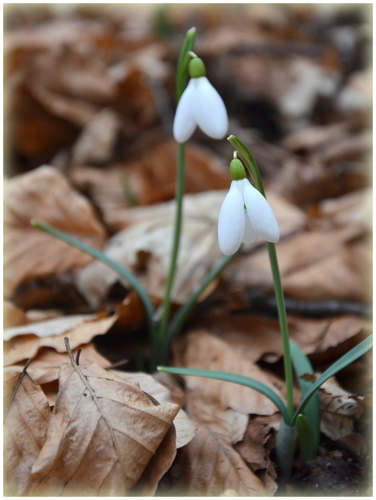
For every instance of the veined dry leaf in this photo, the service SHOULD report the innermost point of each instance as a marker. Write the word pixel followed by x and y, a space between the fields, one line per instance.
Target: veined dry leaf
pixel 185 429
pixel 315 265
pixel 199 349
pixel 96 143
pixel 102 434
pixel 45 367
pixel 145 246
pixel 13 316
pixel 51 333
pixel 30 254
pixel 339 410
pixel 25 429
pixel 252 447
pixel 209 465
pixel 352 208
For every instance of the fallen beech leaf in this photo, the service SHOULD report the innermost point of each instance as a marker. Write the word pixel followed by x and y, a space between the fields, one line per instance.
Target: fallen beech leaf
pixel 199 349
pixel 209 465
pixel 185 430
pixel 145 246
pixel 350 209
pixel 45 367
pixel 320 337
pixel 25 429
pixel 13 316
pixel 97 140
pixel 339 410
pixel 159 464
pixel 102 434
pixel 315 265
pixel 31 254
pixel 252 447
pixel 27 344
pixel 55 326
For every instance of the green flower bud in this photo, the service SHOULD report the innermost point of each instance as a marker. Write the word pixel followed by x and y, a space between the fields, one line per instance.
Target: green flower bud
pixel 196 68
pixel 237 170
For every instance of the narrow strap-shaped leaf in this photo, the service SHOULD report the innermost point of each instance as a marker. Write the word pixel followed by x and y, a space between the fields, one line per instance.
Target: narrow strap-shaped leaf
pixel 122 271
pixel 306 438
pixel 235 379
pixel 341 363
pixel 302 365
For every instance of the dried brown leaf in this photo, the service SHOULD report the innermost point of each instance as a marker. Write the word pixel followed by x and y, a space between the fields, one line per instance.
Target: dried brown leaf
pixel 314 265
pixel 30 254
pixel 13 316
pixel 339 410
pixel 209 465
pixel 145 246
pixel 96 143
pixel 185 430
pixel 25 429
pixel 51 334
pixel 102 434
pixel 252 447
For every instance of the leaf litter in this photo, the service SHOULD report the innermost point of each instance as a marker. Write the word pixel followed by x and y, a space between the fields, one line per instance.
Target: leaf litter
pixel 91 107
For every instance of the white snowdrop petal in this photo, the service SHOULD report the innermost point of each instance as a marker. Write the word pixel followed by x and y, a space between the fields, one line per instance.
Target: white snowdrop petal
pixel 184 122
pixel 250 234
pixel 231 221
pixel 209 110
pixel 260 213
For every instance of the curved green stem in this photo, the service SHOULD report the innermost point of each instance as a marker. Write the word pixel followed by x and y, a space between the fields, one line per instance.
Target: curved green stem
pixel 250 163
pixel 166 304
pixel 289 378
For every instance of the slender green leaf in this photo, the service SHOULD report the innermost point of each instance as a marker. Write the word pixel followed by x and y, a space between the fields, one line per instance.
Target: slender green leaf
pixel 234 378
pixel 302 365
pixel 103 258
pixel 306 438
pixel 341 363
pixel 182 69
pixel 285 449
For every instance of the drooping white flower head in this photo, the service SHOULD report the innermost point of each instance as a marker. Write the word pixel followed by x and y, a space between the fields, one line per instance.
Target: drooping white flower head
pixel 245 214
pixel 200 105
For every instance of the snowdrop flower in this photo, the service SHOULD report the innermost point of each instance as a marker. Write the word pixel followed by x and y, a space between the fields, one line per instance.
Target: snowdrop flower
pixel 200 105
pixel 245 214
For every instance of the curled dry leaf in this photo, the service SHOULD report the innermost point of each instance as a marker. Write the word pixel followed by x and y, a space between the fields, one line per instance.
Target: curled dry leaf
pixel 146 245
pixel 315 265
pixel 209 465
pixel 102 434
pixel 252 447
pixel 339 410
pixel 185 430
pixel 140 182
pixel 29 253
pixel 96 143
pixel 30 338
pixel 25 429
